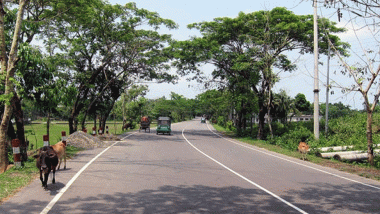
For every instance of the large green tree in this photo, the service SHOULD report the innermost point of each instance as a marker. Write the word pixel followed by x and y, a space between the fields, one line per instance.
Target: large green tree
pixel 111 40
pixel 247 48
pixel 20 22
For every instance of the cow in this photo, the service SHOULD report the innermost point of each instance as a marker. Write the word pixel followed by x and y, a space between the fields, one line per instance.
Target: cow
pixel 60 149
pixel 46 160
pixel 303 148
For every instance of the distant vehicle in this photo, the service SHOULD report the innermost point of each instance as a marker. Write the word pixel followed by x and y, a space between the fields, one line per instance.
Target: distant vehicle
pixel 144 123
pixel 164 125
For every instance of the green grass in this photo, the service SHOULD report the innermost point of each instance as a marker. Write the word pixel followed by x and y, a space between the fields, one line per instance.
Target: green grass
pixel 360 169
pixel 15 178
pixel 35 132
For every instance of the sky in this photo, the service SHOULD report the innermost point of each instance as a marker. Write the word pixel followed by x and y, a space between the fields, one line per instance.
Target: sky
pixel 185 12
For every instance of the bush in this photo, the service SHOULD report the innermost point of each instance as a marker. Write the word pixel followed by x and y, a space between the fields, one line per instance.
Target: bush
pixel 295 133
pixel 230 126
pixel 221 121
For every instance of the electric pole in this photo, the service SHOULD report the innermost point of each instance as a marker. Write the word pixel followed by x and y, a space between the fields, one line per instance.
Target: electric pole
pixel 316 78
pixel 327 91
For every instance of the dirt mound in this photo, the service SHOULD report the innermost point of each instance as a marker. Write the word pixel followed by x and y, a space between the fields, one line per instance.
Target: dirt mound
pixel 83 140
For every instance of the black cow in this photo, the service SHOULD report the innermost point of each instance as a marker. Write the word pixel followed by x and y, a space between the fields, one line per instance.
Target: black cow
pixel 46 160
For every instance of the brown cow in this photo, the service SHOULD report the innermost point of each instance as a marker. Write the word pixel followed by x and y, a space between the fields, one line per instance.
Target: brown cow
pixel 303 149
pixel 60 149
pixel 46 161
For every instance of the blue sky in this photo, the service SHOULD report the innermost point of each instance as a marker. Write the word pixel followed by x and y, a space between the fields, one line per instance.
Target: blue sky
pixel 299 81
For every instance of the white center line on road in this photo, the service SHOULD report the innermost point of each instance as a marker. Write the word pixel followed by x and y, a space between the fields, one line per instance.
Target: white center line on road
pixel 320 170
pixel 244 178
pixel 63 190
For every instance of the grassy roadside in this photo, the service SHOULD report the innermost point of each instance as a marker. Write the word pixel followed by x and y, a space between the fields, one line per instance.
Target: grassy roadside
pixel 14 179
pixel 35 132
pixel 362 170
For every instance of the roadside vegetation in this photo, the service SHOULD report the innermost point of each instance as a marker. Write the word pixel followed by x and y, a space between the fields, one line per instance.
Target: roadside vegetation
pixel 16 178
pixel 94 54
pixel 343 130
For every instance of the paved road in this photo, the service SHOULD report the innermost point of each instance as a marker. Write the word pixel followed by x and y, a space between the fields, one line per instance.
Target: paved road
pixel 194 171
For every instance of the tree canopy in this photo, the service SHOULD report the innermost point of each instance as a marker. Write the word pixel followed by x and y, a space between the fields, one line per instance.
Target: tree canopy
pixel 247 49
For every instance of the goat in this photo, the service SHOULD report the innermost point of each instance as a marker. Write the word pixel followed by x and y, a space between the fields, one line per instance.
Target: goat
pixel 60 149
pixel 303 148
pixel 46 161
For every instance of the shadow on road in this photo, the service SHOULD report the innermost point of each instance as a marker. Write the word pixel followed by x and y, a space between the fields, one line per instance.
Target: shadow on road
pixel 352 198
pixel 178 199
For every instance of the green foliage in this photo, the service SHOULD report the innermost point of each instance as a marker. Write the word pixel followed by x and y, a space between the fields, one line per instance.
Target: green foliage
pixel 292 135
pixel 245 50
pixel 230 126
pixel 214 103
pixel 221 121
pixel 301 103
pixel 351 130
pixel 336 110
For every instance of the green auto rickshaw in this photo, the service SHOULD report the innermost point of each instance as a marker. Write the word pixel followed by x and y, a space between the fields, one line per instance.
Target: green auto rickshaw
pixel 164 125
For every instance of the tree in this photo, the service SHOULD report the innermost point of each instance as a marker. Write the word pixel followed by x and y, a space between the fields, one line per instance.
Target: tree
pixel 301 103
pixel 247 49
pixel 31 18
pixel 215 103
pixel 109 39
pixel 8 62
pixel 282 105
pixel 336 110
pixel 365 70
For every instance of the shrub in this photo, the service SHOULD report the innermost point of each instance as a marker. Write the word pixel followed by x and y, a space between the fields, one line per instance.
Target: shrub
pixel 293 136
pixel 221 121
pixel 230 126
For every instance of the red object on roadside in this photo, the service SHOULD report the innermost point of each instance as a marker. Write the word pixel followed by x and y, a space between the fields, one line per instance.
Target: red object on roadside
pixel 64 137
pixel 46 140
pixel 16 152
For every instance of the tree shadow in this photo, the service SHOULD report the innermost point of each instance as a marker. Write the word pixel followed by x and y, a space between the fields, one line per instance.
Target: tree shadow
pixel 178 199
pixel 342 198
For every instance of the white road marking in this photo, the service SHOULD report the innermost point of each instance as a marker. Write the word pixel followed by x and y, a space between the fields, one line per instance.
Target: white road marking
pixel 63 190
pixel 320 170
pixel 244 178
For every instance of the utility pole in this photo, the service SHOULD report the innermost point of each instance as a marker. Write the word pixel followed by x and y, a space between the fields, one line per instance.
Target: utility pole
pixel 327 91
pixel 316 78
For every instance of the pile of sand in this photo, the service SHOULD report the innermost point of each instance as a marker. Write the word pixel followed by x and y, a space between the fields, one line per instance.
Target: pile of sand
pixel 83 140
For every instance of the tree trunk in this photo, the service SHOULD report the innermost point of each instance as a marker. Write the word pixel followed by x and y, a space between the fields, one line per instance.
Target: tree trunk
pixel 84 120
pixel 48 124
pixel 8 64
pixel 4 162
pixel 124 113
pixel 369 137
pixel 262 112
pixel 95 117
pixel 19 116
pixel 239 123
pixel 73 120
pixel 269 105
pixel 11 133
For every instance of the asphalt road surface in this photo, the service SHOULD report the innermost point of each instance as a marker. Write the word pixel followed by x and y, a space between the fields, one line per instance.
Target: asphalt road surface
pixel 194 170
